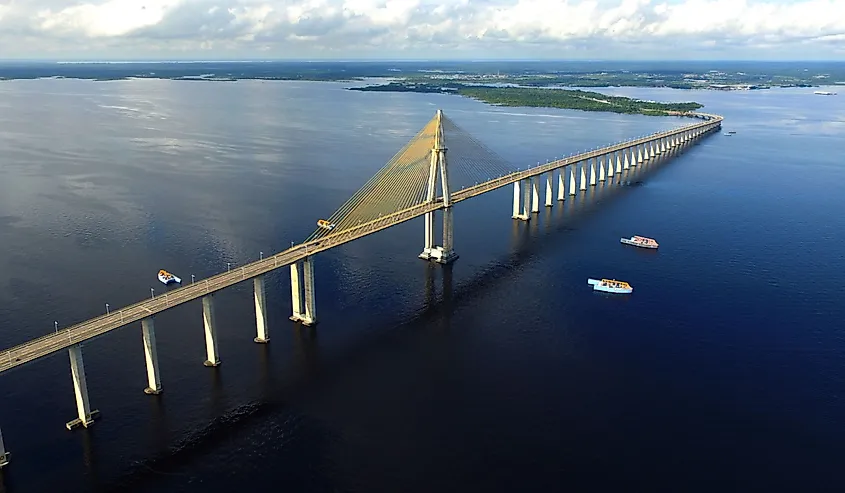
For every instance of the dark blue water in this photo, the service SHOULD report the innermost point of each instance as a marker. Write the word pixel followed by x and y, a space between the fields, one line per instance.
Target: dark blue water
pixel 723 371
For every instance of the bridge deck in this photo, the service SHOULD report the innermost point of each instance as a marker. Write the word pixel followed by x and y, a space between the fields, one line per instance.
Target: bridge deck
pixel 89 329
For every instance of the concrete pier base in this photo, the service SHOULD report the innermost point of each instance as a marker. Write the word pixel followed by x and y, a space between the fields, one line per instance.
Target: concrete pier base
pixel 80 389
pixel 561 187
pixel 262 336
pixel 296 291
pixel 310 315
pixel 151 356
pixel 429 238
pixel 526 199
pixel 212 357
pixel 583 176
pixel 5 457
pixel 517 197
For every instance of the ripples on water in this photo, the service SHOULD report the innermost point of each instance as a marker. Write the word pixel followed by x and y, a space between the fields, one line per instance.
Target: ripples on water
pixel 503 372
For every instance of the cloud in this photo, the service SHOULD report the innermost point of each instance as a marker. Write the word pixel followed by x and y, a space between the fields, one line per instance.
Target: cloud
pixel 419 28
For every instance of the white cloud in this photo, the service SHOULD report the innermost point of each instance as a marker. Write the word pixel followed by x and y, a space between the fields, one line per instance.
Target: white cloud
pixel 428 28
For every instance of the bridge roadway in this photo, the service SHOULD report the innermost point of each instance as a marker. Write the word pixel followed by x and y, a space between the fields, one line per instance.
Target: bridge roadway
pixel 89 329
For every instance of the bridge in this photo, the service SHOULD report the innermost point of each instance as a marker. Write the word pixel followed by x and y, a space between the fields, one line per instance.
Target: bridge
pixel 418 181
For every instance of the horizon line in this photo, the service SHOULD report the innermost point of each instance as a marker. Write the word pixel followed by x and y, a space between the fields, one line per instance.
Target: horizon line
pixel 395 60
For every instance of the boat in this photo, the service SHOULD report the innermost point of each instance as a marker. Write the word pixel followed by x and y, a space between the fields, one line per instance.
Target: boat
pixel 325 224
pixel 167 277
pixel 824 93
pixel 640 241
pixel 610 286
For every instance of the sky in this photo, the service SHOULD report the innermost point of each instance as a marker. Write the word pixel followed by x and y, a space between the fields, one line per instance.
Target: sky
pixel 422 29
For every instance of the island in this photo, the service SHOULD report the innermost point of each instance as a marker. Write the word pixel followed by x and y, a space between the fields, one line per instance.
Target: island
pixel 550 97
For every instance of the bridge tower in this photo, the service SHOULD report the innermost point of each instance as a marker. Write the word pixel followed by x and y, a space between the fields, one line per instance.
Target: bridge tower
pixel 443 254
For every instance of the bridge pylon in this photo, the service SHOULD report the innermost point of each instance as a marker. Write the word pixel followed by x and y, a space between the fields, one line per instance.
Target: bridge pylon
pixel 439 164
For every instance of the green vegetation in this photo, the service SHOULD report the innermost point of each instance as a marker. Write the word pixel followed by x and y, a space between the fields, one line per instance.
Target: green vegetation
pixel 572 99
pixel 543 98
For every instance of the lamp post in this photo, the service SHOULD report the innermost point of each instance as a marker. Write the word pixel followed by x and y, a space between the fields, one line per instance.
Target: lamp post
pixel 228 266
pixel 152 293
pixel 56 325
pixel 107 308
pixel 192 278
pixel 260 255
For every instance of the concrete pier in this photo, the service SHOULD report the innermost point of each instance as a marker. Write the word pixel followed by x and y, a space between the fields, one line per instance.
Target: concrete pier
pixel 296 291
pixel 445 254
pixel 429 240
pixel 520 200
pixel 572 178
pixel 619 160
pixel 262 336
pixel 535 194
pixel 592 171
pixel 561 188
pixel 310 316
pixel 549 190
pixel 583 176
pixel 212 357
pixel 5 457
pixel 80 389
pixel 151 356
pixel 526 199
pixel 601 168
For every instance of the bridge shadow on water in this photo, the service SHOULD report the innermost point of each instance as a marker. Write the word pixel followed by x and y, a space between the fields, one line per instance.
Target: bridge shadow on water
pixel 311 373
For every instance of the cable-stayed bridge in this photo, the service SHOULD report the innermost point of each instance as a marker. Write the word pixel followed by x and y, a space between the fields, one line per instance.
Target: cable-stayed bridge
pixel 441 166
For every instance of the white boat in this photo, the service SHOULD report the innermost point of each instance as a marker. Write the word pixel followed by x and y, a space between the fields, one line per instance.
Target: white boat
pixel 610 286
pixel 640 241
pixel 167 277
pixel 824 93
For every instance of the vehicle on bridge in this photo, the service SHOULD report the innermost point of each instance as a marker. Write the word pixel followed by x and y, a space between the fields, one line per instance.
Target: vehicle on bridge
pixel 325 224
pixel 640 241
pixel 610 286
pixel 167 277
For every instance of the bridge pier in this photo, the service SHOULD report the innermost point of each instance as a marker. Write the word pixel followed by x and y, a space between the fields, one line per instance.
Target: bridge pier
pixel 639 156
pixel 151 356
pixel 535 194
pixel 572 178
pixel 212 357
pixel 5 457
pixel 601 168
pixel 296 291
pixel 262 336
pixel 521 196
pixel 549 190
pixel 619 160
pixel 592 162
pixel 80 389
pixel 561 188
pixel 429 236
pixel 583 176
pixel 310 317
pixel 446 254
pixel 302 292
